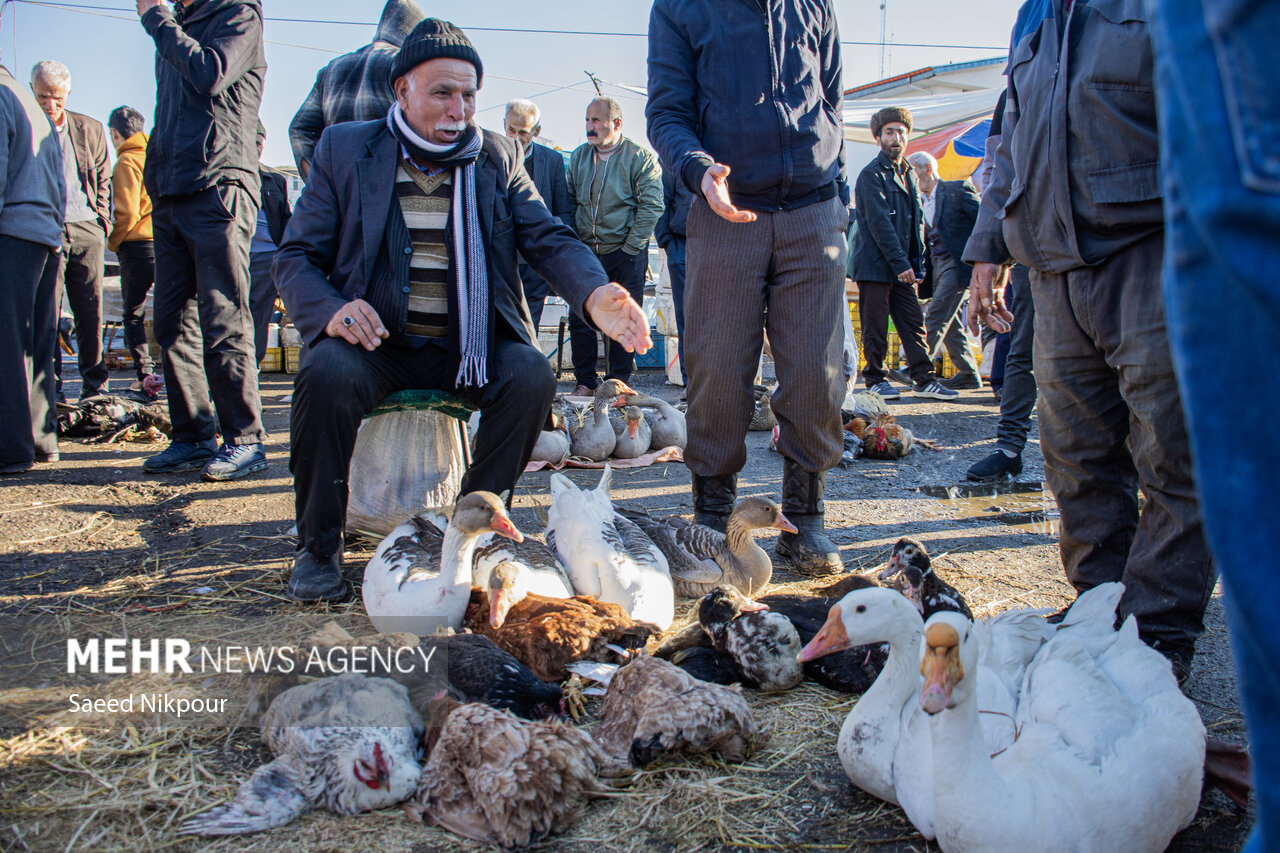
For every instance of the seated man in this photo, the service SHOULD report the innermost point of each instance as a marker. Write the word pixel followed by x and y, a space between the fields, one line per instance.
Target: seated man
pixel 399 270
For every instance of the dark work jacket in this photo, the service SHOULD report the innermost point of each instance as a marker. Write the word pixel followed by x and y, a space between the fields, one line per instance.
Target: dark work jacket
pixel 676 201
pixel 755 85
pixel 90 144
pixel 890 238
pixel 955 209
pixel 275 201
pixel 1076 175
pixel 209 71
pixel 347 239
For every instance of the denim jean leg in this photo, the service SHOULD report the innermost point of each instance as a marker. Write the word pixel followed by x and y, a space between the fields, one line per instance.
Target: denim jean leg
pixel 1222 206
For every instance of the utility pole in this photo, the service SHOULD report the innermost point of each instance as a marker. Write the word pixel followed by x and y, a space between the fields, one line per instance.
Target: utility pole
pixel 595 81
pixel 884 41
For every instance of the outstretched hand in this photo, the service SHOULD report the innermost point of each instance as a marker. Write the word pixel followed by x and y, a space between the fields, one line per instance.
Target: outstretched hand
pixel 986 298
pixel 715 188
pixel 619 316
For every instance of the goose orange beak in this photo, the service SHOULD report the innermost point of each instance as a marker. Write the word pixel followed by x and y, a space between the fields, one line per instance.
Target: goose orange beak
pixel 502 525
pixel 831 639
pixel 940 667
pixel 784 524
pixel 499 606
pixel 632 428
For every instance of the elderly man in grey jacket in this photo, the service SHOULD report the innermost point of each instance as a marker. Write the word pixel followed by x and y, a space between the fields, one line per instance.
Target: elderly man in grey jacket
pixel 32 202
pixel 1089 225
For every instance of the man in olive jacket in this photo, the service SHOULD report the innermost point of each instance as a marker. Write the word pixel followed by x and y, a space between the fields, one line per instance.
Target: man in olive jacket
pixel 615 191
pixel 202 176
pixel 368 271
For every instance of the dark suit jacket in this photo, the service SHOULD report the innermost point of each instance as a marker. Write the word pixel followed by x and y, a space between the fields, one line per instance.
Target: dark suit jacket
pixel 347 239
pixel 90 143
pixel 955 211
pixel 553 186
pixel 275 201
pixel 890 238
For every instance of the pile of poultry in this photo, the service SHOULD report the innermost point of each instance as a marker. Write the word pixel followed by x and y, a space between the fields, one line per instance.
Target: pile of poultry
pixel 126 415
pixel 619 423
pixel 482 738
pixel 881 435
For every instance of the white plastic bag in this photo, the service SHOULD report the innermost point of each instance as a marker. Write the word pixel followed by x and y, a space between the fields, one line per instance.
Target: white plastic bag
pixel 674 375
pixel 664 307
pixel 403 462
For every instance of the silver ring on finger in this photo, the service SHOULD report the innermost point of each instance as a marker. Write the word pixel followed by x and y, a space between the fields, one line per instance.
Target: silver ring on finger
pixel 348 322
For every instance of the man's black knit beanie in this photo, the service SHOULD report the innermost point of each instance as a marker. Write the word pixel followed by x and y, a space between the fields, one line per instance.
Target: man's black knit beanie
pixel 432 39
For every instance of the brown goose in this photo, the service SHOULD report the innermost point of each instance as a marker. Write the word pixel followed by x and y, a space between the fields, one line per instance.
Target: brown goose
pixel 702 559
pixel 591 433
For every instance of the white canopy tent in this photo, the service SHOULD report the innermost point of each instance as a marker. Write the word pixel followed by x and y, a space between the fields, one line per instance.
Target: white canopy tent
pixel 928 112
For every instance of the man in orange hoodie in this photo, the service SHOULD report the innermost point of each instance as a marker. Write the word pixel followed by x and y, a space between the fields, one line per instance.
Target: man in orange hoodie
pixel 130 236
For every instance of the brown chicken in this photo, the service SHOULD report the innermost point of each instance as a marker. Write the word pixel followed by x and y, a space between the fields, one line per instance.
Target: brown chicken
pixel 496 778
pixel 654 708
pixel 884 438
pixel 546 634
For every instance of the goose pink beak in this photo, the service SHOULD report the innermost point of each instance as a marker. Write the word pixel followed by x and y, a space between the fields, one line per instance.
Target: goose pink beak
pixel 784 524
pixel 503 527
pixel 831 639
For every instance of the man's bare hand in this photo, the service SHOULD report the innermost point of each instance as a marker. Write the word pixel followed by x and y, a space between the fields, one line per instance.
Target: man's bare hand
pixel 986 298
pixel 715 188
pixel 907 277
pixel 145 6
pixel 619 317
pixel 365 327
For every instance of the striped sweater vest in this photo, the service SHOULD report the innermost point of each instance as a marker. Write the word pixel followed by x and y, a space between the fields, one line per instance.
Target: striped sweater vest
pixel 425 201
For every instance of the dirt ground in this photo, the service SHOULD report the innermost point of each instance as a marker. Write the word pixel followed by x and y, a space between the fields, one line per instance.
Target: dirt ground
pixel 94 536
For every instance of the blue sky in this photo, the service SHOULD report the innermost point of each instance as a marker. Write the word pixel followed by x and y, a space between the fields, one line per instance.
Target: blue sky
pixel 112 58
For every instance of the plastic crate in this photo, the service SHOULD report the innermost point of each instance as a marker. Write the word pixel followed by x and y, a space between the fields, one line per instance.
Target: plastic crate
pixel 656 357
pixel 272 361
pixel 292 357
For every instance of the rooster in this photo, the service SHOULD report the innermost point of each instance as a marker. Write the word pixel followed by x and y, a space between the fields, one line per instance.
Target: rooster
pixel 882 436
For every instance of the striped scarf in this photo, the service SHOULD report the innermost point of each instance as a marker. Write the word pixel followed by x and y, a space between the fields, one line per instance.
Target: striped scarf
pixel 471 276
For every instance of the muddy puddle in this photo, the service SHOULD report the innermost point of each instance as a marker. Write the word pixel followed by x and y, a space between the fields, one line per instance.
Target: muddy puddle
pixel 1027 506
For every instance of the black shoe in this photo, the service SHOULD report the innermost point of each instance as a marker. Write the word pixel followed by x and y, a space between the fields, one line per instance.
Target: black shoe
pixel 16 468
pixel 996 466
pixel 713 500
pixel 899 377
pixel 809 551
pixel 962 382
pixel 1180 655
pixel 317 578
pixel 181 456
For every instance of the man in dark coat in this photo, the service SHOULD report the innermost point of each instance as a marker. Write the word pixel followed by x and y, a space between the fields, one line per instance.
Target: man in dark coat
pixel 888 259
pixel 950 209
pixel 546 167
pixel 369 270
pixel 88 221
pixel 273 216
pixel 202 176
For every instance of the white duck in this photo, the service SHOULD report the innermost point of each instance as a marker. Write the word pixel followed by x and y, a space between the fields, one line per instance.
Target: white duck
pixel 665 421
pixel 419 580
pixel 608 556
pixel 528 567
pixel 1109 754
pixel 884 743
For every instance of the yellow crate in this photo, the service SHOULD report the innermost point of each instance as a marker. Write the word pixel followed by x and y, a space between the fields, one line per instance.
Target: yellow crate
pixel 272 361
pixel 292 356
pixel 891 358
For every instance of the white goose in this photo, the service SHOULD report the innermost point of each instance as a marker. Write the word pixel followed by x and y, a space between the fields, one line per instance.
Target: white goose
pixel 528 567
pixel 1109 754
pixel 608 557
pixel 419 579
pixel 884 744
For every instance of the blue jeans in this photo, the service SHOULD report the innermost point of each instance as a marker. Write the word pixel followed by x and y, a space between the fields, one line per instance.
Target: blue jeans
pixel 675 266
pixel 1220 138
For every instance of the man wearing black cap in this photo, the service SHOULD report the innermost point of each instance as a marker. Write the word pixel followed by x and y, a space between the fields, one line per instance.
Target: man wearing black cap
pixel 888 259
pixel 399 270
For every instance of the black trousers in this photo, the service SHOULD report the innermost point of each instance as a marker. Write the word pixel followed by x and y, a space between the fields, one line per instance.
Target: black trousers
pixel 28 337
pixel 80 281
pixel 877 302
pixel 202 318
pixel 262 299
pixel 137 275
pixel 628 271
pixel 339 383
pixel 1018 394
pixel 536 291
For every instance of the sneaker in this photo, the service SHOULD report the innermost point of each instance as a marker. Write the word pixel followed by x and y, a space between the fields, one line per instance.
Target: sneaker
pixel 884 389
pixel 181 456
pixel 583 391
pixel 233 461
pixel 935 391
pixel 961 382
pixel 996 466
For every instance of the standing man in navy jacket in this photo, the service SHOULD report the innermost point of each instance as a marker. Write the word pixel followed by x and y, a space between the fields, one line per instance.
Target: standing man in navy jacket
pixel 202 176
pixel 745 107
